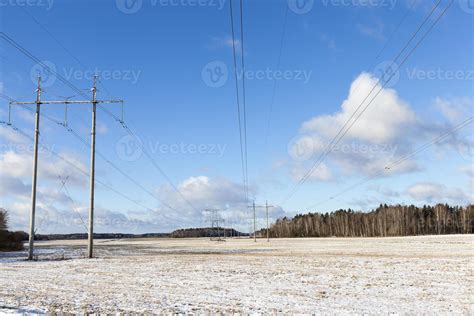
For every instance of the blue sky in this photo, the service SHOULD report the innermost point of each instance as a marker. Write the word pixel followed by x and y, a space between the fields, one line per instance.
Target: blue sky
pixel 160 52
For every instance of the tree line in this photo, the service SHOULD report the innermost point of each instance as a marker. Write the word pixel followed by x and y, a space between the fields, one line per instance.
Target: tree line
pixel 9 241
pixel 384 221
pixel 206 232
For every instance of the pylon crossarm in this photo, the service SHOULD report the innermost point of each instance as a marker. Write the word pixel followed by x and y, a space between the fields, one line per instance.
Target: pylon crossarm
pixel 68 102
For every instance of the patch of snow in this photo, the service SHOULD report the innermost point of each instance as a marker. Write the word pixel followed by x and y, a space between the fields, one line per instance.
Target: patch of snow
pixel 403 275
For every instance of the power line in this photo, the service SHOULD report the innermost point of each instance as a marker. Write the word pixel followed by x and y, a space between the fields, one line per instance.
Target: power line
pixel 49 205
pixel 52 36
pixel 64 48
pixel 390 166
pixel 68 195
pixel 345 130
pixel 408 11
pixel 87 144
pixel 28 54
pixel 270 111
pixel 85 173
pixel 174 220
pixel 244 93
pixel 157 167
pixel 238 102
pixel 23 50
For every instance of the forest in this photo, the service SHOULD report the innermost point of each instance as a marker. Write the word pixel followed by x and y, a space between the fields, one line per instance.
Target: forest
pixel 396 220
pixel 9 240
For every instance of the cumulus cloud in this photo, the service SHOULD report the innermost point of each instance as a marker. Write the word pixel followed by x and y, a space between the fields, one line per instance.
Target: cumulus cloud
pixel 386 120
pixel 204 193
pixel 387 131
pixel 378 137
pixel 433 192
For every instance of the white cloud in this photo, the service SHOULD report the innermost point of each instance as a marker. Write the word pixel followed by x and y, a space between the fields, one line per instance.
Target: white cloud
pixel 380 136
pixel 387 131
pixel 16 164
pixel 437 193
pixel 455 110
pixel 11 137
pixel 322 173
pixel 388 118
pixel 203 193
pixel 11 186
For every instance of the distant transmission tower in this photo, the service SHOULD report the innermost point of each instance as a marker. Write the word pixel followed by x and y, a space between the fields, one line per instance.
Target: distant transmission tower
pixel 217 232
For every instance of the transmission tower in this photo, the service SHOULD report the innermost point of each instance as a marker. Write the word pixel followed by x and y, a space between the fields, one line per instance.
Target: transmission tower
pixel 216 222
pixel 38 104
pixel 254 207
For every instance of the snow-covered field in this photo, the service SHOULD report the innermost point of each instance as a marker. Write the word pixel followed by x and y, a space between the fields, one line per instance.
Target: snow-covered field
pixel 430 275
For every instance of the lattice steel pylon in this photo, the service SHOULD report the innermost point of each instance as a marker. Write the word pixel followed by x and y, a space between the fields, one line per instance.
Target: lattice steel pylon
pixel 217 232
